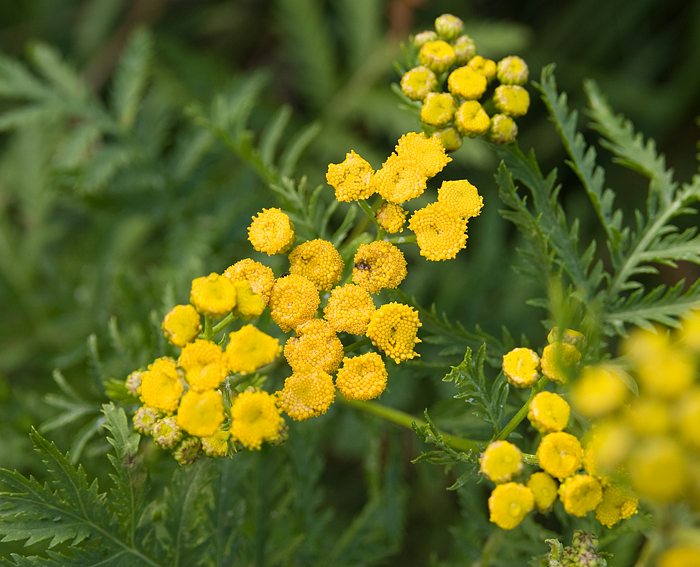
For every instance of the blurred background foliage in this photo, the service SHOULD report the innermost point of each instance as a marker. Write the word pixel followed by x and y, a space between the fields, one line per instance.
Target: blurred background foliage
pixel 119 183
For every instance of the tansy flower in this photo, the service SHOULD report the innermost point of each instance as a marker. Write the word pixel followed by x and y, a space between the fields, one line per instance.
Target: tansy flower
pixel 501 461
pixel 689 333
pixel 213 295
pixel 687 555
pixel 618 503
pixel 503 129
pixel 465 49
pixel 249 349
pixel 466 83
pixel 391 217
pixel 294 300
pixel 580 494
pixel 306 394
pixel 440 232
pixel 378 265
pixel 203 364
pixel 687 416
pixel 181 325
pixel 418 82
pixel 437 55
pixel 144 418
pixel 599 390
pixel 658 470
pixel 607 445
pixel 548 412
pixel 569 336
pixel 248 303
pixel 349 309
pixel 166 433
pixel 520 367
pixel 260 277
pixel 559 360
pixel 438 109
pixel 509 504
pixel 399 180
pixel 319 261
pixel 649 417
pixel 471 118
pixel 351 179
pixel 426 152
pixel 560 454
pixel 161 386
pixel 255 418
pixel 462 197
pixel 315 346
pixel 450 138
pixel 271 231
pixel 448 26
pixel 485 67
pixel 667 374
pixel 645 344
pixel 216 445
pixel 133 382
pixel 201 414
pixel 188 451
pixel 512 70
pixel 512 100
pixel 420 39
pixel 362 377
pixel 393 328
pixel 544 489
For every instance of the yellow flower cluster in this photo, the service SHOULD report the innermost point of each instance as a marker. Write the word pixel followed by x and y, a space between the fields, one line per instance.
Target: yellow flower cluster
pixel 459 108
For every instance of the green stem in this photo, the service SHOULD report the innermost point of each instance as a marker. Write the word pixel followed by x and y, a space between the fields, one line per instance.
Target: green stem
pixel 521 413
pixel 208 331
pixel 356 345
pixel 490 547
pixel 368 212
pixel 402 239
pixel 222 324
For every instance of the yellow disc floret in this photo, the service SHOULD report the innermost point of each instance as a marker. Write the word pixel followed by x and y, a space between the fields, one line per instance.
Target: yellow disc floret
pixel 599 390
pixel 319 261
pixel 161 386
pixel 560 454
pixel 294 301
pixel 351 179
pixel 393 328
pixel 658 470
pixel 462 197
pixel 440 232
pixel 362 377
pixel 399 180
pixel 548 412
pixel 315 346
pixel 484 66
pixel 201 414
pixel 349 309
pixel 503 129
pixel 203 363
pixel 248 303
pixel 668 373
pixel 378 265
pixel 607 445
pixel 271 231
pixel 559 360
pixel 306 394
pixel 512 100
pixel 418 82
pixel 426 152
pixel 391 217
pixel 438 109
pixel 509 504
pixel 466 83
pixel 580 494
pixel 512 70
pixel 260 277
pixel 249 349
pixel 181 325
pixel 471 119
pixel 544 489
pixel 689 333
pixel 437 55
pixel 501 461
pixel 255 418
pixel 216 445
pixel 520 367
pixel 680 556
pixel 213 295
pixel 618 503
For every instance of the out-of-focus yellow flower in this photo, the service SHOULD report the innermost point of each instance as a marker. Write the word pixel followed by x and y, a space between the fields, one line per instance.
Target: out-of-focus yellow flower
pixel 294 301
pixel 420 39
pixel 393 328
pixel 687 416
pixel 509 504
pixel 471 119
pixel 464 48
pixel 319 261
pixel 378 265
pixel 271 231
pixel 645 344
pixel 255 418
pixel 315 346
pixel 440 232
pixel 658 470
pixel 560 454
pixel 649 417
pixel 351 179
pixel 544 489
pixel 503 129
pixel 512 70
pixel 203 363
pixel 599 390
pixel 306 394
pixel 462 197
pixel 418 82
pixel 201 414
pixel 667 373
pixel 521 366
pixel 689 333
pixel 260 277
pixel 438 109
pixel 501 461
pixel 216 445
pixel 548 412
pixel 466 83
pixel 618 503
pixel 249 349
pixel 349 309
pixel 607 445
pixel 391 217
pixel 437 55
pixel 570 336
pixel 580 494
pixel 559 360
pixel 680 556
pixel 213 295
pixel 362 377
pixel 181 325
pixel 161 386
pixel 484 66
pixel 512 100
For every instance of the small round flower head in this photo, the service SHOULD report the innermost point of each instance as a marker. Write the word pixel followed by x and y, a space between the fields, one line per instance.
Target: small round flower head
pixel 520 366
pixel 548 412
pixel 260 277
pixel 306 394
pixel 271 231
pixel 203 363
pixel 689 333
pixel 462 197
pixel 659 470
pixel 319 261
pixel 294 300
pixel 133 382
pixel 465 49
pixel 607 445
pixel 569 336
pixel 509 504
pixel 667 374
pixel 512 100
pixel 437 55
pixel 471 119
pixel 351 178
pixel 450 138
pixel 166 433
pixel 249 349
pixel 248 303
pixel 213 295
pixel 466 83
pixel 255 418
pixel 201 414
pixel 181 325
pixel 418 82
pixel 426 152
pixel 643 344
pixel 512 70
pixel 188 451
pixel 421 38
pixel 560 454
pixel 399 180
pixel 484 66
pixel 618 503
pixel 161 386
pixel 378 265
pixel 501 461
pixel 362 377
pixel 580 494
pixel 649 417
pixel 144 418
pixel 559 361
pixel 440 232
pixel 393 328
pixel 349 309
pixel 544 489
pixel 503 129
pixel 391 217
pixel 448 26
pixel 315 346
pixel 216 445
pixel 600 390
pixel 687 417
pixel 438 109
pixel 687 555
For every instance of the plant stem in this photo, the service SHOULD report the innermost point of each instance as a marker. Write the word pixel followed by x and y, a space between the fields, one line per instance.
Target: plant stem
pixel 521 413
pixel 402 239
pixel 222 324
pixel 357 344
pixel 490 547
pixel 208 331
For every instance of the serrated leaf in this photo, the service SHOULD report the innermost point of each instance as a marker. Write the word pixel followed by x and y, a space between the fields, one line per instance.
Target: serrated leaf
pixel 130 78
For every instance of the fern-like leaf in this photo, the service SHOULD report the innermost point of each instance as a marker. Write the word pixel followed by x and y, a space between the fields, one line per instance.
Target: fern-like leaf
pixel 130 78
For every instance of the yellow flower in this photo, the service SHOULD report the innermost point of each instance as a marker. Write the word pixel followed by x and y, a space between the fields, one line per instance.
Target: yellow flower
pixel 203 364
pixel 133 382
pixel 503 129
pixel 462 197
pixel 484 66
pixel 437 55
pixel 351 179
pixel 216 445
pixel 319 261
pixel 393 328
pixel 426 152
pixel 618 503
pixel 448 26
pixel 260 277
pixel 471 119
pixel 466 83
pixel 349 309
pixel 362 377
pixel 548 412
pixel 512 70
pixel 680 556
pixel 607 446
pixel 166 433
pixel 316 346
pixel 399 180
pixel 181 325
pixel 520 366
pixel 509 504
pixel 294 300
pixel 450 138
pixel 643 344
pixel 560 454
pixel 306 394
pixel 544 489
pixel 600 390
pixel 580 494
pixel 271 231
pixel 420 39
pixel 144 419
pixel 559 360
pixel 201 414
pixel 438 109
pixel 249 349
pixel 418 82
pixel 667 373
pixel 255 418
pixel 213 295
pixel 440 232
pixel 378 265
pixel 689 333
pixel 569 336
pixel 501 461
pixel 391 217
pixel 161 386
pixel 688 417
pixel 464 48
pixel 649 417
pixel 248 303
pixel 512 100
pixel 658 470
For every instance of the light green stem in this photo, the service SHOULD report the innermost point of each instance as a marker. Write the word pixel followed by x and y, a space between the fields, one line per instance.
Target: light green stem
pixel 402 239
pixel 357 344
pixel 222 324
pixel 208 331
pixel 521 413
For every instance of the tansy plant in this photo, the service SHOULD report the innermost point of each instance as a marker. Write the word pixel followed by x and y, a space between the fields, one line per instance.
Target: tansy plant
pixel 594 428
